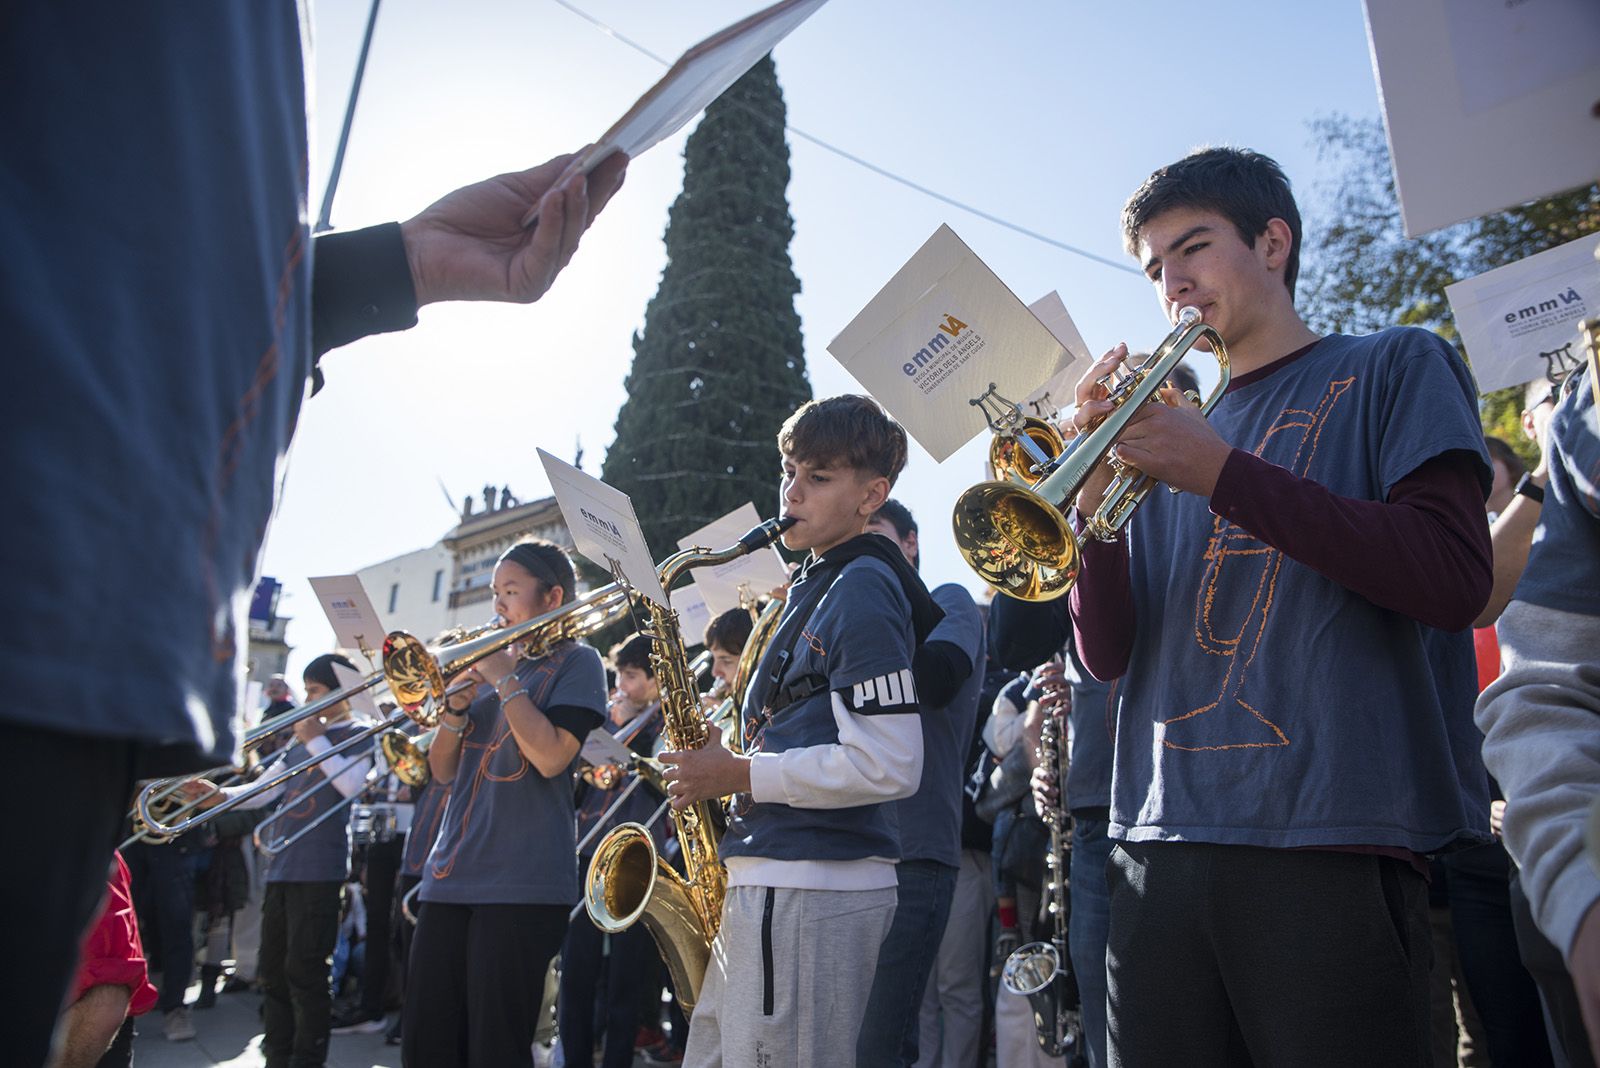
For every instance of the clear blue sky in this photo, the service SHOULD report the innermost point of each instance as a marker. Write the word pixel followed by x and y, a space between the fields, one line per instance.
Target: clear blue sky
pixel 1045 113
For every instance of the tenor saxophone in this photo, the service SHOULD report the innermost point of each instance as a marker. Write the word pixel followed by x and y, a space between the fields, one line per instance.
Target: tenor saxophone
pixel 628 881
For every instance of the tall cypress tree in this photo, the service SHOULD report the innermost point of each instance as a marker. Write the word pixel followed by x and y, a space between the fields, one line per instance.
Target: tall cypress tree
pixel 720 363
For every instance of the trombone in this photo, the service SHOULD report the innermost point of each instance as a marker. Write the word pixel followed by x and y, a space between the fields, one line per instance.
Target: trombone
pixel 1013 530
pixel 404 757
pixel 415 673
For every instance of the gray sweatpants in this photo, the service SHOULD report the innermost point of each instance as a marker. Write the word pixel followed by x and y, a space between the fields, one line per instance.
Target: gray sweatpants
pixel 789 976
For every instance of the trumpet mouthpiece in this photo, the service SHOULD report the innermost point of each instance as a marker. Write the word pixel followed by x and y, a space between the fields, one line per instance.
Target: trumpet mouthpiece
pixel 1188 315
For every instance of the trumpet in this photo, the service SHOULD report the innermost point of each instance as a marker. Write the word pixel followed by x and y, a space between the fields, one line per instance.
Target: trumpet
pixel 1013 530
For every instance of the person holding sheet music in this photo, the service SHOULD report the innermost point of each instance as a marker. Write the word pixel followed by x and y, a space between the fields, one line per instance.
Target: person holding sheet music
pixel 503 872
pixel 153 405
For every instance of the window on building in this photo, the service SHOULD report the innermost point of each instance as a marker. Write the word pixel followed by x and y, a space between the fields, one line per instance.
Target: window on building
pixel 438 584
pixel 394 595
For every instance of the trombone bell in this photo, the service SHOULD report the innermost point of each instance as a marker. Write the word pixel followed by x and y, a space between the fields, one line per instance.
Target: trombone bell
pixel 412 671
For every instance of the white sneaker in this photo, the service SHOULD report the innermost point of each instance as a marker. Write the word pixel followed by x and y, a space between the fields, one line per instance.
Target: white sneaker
pixel 178 1026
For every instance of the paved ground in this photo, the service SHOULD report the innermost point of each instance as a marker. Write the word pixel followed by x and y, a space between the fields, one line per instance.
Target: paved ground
pixel 230 1037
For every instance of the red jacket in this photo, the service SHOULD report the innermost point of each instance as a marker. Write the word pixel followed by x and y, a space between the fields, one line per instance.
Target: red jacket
pixel 112 954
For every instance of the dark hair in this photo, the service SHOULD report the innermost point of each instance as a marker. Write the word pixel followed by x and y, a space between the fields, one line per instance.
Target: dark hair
pixel 633 652
pixel 1245 187
pixel 1184 378
pixel 545 561
pixel 850 430
pixel 320 670
pixel 730 630
pixel 899 516
pixel 1499 450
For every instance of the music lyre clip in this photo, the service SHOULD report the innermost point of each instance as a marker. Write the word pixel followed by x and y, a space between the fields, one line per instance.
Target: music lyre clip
pixel 1005 417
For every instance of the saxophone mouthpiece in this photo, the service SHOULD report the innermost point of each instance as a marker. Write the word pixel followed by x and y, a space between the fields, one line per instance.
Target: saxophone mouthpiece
pixel 761 536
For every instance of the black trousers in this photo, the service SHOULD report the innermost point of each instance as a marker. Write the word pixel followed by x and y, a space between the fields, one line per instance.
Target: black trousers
pixel 383 868
pixel 299 927
pixel 627 968
pixel 60 860
pixel 474 983
pixel 1233 955
pixel 163 897
pixel 1503 993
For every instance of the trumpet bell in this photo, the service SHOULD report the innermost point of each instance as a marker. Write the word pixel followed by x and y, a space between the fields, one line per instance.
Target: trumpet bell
pixel 1016 541
pixel 627 883
pixel 1011 462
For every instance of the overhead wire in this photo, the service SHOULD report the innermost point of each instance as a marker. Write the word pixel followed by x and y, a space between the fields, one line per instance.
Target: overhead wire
pixel 884 172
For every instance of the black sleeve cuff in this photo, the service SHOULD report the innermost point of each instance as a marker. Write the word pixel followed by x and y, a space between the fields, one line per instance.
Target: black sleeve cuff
pixel 360 285
pixel 940 668
pixel 576 721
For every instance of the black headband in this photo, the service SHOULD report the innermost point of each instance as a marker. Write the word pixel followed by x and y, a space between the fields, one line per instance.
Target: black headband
pixel 531 560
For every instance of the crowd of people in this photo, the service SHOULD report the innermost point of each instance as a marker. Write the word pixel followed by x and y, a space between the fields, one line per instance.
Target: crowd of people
pixel 1284 833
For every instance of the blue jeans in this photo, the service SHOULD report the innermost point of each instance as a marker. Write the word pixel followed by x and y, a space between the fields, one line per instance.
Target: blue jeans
pixel 922 906
pixel 1090 921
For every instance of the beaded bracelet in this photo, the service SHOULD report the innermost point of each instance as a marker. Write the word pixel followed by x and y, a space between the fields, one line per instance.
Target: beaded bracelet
pixel 452 728
pixel 511 677
pixel 520 691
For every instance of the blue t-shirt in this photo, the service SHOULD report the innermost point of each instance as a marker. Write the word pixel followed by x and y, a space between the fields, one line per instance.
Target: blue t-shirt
pixel 1564 565
pixel 323 855
pixel 929 821
pixel 1094 724
pixel 1267 705
pixel 859 632
pixel 426 819
pixel 155 291
pixel 507 837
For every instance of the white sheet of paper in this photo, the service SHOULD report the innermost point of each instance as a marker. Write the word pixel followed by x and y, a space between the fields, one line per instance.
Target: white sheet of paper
pixel 252 703
pixel 693 615
pixel 699 76
pixel 1487 103
pixel 937 335
pixel 1520 322
pixel 355 622
pixel 603 525
pixel 1056 395
pixel 756 572
pixel 600 747
pixel 362 705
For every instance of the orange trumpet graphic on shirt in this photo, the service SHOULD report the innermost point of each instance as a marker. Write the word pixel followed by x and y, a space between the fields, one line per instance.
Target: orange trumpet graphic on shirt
pixel 1231 722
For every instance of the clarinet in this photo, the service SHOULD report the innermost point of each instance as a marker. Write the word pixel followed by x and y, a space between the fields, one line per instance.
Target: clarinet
pixel 1038 970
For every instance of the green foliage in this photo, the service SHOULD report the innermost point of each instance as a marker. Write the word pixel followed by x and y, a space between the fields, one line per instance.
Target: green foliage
pixel 720 363
pixel 1361 273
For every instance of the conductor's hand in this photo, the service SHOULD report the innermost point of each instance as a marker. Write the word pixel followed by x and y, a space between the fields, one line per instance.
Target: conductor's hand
pixel 472 245
pixel 701 774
